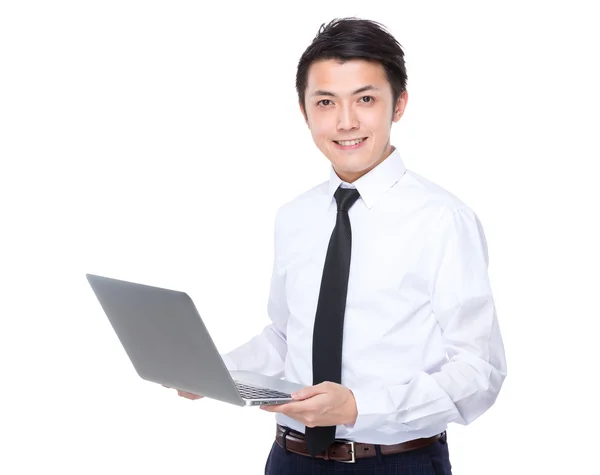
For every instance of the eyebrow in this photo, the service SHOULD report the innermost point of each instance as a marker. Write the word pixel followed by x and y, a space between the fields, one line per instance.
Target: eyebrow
pixel 320 92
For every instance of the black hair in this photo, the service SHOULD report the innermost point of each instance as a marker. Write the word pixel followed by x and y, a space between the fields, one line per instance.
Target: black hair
pixel 350 38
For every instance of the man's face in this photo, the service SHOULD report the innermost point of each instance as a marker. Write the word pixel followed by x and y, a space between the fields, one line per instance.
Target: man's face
pixel 349 111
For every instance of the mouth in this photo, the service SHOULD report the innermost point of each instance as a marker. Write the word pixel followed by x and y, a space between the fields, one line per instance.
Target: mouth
pixel 350 144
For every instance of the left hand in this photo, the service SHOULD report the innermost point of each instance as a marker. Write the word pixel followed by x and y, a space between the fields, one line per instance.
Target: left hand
pixel 326 404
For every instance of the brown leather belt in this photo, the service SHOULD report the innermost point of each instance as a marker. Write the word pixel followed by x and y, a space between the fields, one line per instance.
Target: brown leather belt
pixel 347 451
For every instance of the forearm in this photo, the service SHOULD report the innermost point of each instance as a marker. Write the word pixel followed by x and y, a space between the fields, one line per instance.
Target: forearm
pixel 460 392
pixel 265 353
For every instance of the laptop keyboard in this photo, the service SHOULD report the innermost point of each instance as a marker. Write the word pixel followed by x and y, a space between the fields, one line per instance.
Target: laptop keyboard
pixel 254 392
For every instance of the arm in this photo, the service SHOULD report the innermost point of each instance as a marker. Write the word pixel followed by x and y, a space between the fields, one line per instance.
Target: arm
pixel 265 353
pixel 468 384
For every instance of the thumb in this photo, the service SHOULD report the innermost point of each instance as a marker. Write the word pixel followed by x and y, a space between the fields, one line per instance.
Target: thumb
pixel 308 392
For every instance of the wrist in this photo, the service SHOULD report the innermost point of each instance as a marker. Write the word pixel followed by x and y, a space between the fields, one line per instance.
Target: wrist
pixel 352 410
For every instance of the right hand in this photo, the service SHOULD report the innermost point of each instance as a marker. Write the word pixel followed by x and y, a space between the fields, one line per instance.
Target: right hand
pixel 186 395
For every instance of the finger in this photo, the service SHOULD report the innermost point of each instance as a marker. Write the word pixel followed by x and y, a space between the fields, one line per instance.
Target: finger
pixel 306 405
pixel 273 408
pixel 187 395
pixel 299 407
pixel 193 397
pixel 310 391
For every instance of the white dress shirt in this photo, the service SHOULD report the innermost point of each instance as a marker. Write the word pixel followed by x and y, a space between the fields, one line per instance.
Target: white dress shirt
pixel 422 347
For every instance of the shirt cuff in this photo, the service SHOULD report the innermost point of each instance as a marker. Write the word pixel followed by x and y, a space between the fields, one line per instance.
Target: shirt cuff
pixel 367 402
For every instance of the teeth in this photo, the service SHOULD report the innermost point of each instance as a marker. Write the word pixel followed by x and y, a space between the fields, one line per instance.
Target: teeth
pixel 347 143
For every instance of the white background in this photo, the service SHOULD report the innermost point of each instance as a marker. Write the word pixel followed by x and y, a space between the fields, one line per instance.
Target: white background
pixel 136 138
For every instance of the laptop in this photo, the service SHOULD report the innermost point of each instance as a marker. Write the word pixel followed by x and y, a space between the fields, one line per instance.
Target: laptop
pixel 168 343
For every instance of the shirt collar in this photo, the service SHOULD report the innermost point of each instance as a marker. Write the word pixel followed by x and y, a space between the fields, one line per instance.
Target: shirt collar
pixel 374 184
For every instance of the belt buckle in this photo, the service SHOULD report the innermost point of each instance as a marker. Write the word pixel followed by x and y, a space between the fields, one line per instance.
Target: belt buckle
pixel 352 451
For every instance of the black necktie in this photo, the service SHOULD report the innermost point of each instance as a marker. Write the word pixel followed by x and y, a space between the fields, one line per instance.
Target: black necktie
pixel 329 319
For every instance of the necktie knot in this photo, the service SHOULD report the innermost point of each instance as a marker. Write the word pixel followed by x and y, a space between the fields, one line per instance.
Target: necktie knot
pixel 346 197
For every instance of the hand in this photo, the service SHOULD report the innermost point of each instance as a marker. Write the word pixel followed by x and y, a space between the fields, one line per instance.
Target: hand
pixel 186 395
pixel 326 404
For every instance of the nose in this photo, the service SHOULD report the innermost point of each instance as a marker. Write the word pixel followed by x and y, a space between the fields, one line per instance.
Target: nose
pixel 347 119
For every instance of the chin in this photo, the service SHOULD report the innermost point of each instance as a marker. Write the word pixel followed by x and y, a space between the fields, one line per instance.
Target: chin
pixel 353 172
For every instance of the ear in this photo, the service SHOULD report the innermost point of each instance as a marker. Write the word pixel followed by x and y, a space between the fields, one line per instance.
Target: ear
pixel 400 106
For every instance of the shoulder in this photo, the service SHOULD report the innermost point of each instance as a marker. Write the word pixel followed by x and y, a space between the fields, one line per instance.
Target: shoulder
pixel 426 194
pixel 302 207
pixel 437 207
pixel 450 218
pixel 440 212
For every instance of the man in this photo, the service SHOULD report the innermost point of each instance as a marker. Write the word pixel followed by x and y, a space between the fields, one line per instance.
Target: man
pixel 380 300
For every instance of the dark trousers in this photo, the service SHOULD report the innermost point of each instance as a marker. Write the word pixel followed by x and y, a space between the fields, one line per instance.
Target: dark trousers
pixel 431 460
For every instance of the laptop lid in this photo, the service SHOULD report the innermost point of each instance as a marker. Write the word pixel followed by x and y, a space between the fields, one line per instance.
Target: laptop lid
pixel 165 338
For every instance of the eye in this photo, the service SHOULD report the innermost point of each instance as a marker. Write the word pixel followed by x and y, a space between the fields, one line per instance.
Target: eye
pixel 367 99
pixel 324 102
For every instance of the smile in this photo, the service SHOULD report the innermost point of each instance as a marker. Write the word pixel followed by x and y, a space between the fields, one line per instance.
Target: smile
pixel 350 144
pixel 347 143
